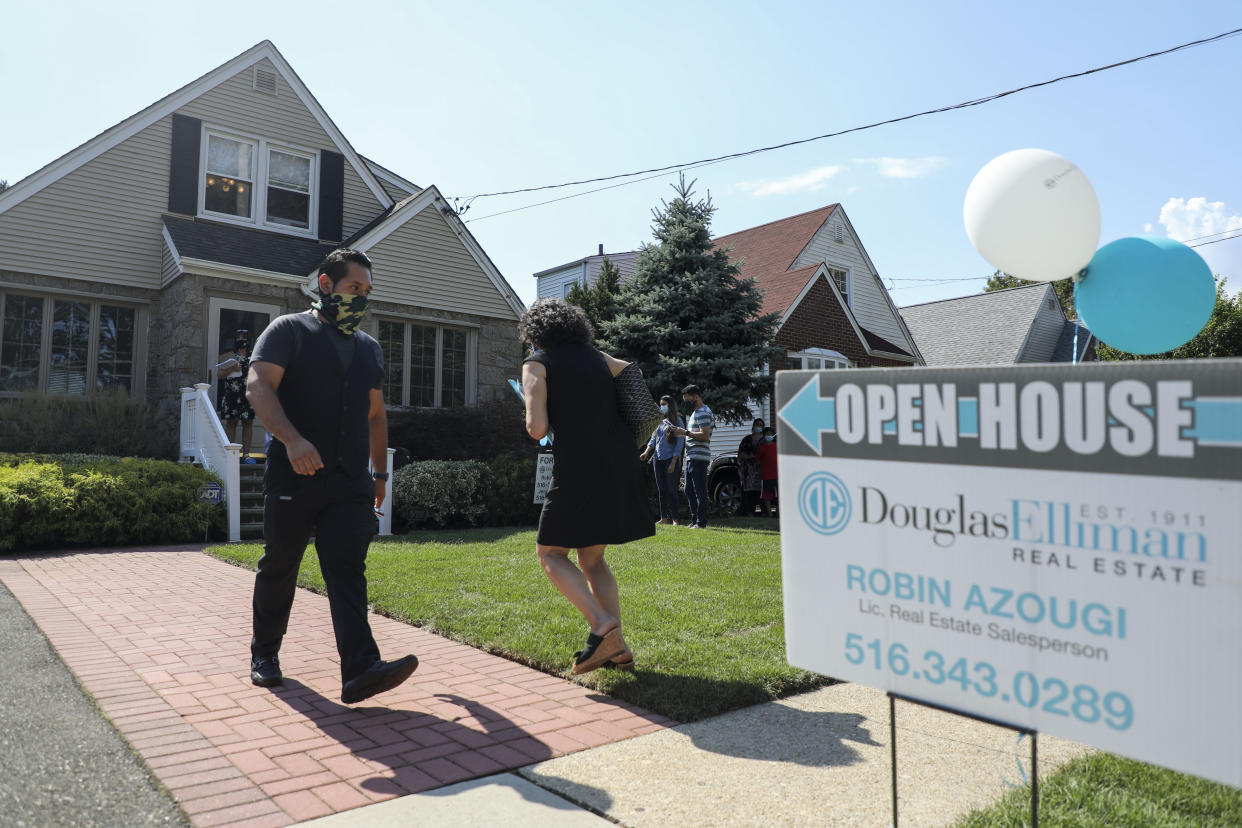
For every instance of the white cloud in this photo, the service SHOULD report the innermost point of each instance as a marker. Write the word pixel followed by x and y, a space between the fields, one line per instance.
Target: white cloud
pixel 809 181
pixel 1190 218
pixel 1147 228
pixel 908 167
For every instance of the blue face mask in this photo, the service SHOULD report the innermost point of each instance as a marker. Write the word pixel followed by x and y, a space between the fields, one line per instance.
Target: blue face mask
pixel 756 431
pixel 664 409
pixel 771 438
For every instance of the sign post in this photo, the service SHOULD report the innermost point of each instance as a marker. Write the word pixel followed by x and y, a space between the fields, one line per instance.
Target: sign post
pixel 1054 548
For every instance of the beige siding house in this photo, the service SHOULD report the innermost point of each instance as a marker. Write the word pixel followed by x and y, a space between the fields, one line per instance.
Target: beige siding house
pixel 130 262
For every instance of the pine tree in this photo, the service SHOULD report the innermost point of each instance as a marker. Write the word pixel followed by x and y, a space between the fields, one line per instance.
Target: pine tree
pixel 599 301
pixel 687 317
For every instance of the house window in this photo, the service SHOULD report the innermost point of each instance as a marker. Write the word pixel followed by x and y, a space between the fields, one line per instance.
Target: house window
pixel 253 181
pixel 66 346
pixel 816 359
pixel 426 365
pixel 842 280
pixel 229 185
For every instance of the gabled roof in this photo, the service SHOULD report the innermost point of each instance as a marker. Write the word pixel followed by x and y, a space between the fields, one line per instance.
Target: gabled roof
pixel 769 250
pixel 134 124
pixel 981 329
pixel 386 175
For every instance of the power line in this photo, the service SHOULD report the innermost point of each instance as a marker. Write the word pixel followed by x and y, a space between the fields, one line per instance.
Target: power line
pixel 730 156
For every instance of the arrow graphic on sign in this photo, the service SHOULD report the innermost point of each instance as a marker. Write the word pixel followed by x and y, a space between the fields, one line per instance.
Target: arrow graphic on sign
pixel 808 414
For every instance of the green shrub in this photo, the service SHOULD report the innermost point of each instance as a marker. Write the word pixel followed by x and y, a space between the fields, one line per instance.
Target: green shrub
pixel 441 492
pixel 107 424
pixel 479 432
pixel 93 500
pixel 510 494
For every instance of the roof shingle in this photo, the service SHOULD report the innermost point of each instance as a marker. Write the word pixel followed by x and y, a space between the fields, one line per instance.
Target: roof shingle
pixel 243 247
pixel 983 329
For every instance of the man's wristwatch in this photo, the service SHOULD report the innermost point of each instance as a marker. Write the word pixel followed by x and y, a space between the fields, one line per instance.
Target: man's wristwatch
pixel 379 475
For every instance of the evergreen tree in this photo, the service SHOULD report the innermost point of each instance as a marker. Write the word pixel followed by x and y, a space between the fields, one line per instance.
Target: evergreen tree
pixel 1220 337
pixel 687 317
pixel 599 301
pixel 1063 287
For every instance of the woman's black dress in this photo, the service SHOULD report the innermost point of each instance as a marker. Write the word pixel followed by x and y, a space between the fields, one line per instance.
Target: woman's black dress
pixel 598 493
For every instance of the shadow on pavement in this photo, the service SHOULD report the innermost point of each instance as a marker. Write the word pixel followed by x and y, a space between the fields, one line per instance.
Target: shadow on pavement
pixel 776 733
pixel 404 740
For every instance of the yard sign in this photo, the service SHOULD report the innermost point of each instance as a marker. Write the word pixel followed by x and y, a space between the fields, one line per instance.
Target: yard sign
pixel 1057 547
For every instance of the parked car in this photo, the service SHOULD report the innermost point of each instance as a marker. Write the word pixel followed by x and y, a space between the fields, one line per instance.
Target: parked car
pixel 723 483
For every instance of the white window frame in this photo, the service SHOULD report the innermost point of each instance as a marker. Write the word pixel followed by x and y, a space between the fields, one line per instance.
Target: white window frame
pixel 258 203
pixel 440 325
pixel 137 389
pixel 839 360
pixel 849 280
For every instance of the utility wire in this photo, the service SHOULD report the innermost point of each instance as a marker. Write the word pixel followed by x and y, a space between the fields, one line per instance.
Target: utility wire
pixel 962 105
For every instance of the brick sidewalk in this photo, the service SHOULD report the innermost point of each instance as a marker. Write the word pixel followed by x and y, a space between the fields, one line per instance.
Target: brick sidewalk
pixel 161 638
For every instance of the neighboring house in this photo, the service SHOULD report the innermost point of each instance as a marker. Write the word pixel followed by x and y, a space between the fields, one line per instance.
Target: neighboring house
pixel 555 282
pixel 129 262
pixel 1004 327
pixel 816 275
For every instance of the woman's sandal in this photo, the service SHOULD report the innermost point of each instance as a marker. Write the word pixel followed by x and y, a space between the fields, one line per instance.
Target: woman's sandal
pixel 598 651
pixel 626 663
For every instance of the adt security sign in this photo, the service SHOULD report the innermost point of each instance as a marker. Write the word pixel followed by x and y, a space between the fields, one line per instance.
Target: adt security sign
pixel 212 493
pixel 1057 547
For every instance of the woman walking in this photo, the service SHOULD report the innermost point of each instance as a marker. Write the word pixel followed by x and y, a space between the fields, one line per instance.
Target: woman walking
pixel 597 496
pixel 748 470
pixel 234 369
pixel 666 446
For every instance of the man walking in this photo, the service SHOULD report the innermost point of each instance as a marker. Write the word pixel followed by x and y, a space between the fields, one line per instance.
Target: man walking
pixel 315 385
pixel 698 434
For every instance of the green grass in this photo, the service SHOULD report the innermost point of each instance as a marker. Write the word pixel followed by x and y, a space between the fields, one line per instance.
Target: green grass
pixel 1106 790
pixel 702 609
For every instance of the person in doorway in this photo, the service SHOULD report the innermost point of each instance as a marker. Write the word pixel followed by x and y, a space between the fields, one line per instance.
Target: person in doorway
pixel 666 447
pixel 766 453
pixel 315 383
pixel 698 434
pixel 597 496
pixel 234 369
pixel 748 470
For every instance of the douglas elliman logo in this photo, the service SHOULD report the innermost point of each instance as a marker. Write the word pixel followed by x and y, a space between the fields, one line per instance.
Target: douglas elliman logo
pixel 824 503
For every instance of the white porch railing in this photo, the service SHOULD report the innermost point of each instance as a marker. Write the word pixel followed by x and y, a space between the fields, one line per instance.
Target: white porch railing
pixel 203 440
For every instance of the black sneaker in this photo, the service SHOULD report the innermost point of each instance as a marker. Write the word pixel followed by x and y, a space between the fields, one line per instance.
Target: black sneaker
pixel 379 677
pixel 265 671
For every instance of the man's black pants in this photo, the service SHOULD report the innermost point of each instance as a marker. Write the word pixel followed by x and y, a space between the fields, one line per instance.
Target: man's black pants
pixel 338 511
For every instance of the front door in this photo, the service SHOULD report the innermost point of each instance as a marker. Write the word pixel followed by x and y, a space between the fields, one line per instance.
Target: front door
pixel 228 317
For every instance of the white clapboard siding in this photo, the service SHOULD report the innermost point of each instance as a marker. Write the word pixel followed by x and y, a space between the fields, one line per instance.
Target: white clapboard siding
pixel 426 265
pixel 237 106
pixel 553 285
pixel 100 222
pixel 725 437
pixel 866 294
pixel 1045 330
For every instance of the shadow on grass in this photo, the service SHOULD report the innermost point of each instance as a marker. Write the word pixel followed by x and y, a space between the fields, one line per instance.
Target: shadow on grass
pixel 423 751
pixel 464 535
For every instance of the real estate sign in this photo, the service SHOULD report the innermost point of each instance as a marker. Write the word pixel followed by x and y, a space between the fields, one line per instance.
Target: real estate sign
pixel 1054 546
pixel 543 477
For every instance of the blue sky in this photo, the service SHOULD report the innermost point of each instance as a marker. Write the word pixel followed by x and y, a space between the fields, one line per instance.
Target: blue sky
pixel 484 96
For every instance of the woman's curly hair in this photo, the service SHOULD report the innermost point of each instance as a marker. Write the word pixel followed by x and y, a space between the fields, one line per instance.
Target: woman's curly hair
pixel 550 322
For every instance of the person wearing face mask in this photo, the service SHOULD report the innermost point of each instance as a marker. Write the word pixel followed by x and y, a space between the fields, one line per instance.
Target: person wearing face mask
pixel 748 470
pixel 666 446
pixel 766 453
pixel 234 408
pixel 315 383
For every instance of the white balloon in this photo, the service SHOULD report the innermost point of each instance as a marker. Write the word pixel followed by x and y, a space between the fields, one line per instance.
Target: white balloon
pixel 1033 214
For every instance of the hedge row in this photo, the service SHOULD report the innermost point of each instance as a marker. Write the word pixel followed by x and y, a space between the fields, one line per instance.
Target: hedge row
pixel 450 493
pixel 96 500
pixel 109 424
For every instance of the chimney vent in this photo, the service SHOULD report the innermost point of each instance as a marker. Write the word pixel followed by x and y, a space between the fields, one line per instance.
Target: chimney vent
pixel 601 250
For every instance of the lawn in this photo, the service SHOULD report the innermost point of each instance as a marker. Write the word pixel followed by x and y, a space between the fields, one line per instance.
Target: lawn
pixel 1102 789
pixel 701 609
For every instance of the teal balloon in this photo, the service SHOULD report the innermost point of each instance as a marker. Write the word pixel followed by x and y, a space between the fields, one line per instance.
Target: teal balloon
pixel 1146 294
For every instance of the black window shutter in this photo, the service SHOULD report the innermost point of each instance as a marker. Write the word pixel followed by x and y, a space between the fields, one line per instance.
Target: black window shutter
pixel 187 134
pixel 331 195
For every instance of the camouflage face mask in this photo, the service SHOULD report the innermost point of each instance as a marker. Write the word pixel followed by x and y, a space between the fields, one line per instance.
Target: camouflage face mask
pixel 343 311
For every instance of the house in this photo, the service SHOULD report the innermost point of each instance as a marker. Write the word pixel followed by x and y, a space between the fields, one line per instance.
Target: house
pixel 555 282
pixel 129 262
pixel 818 278
pixel 1004 327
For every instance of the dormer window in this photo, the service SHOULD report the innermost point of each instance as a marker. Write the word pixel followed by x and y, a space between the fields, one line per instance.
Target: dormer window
pixel 257 182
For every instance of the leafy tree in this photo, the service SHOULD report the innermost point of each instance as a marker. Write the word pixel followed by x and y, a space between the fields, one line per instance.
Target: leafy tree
pixel 4 185
pixel 1221 337
pixel 687 317
pixel 1064 288
pixel 599 301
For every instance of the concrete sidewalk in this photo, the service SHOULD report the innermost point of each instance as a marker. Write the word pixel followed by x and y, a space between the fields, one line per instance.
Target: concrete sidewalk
pixel 160 637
